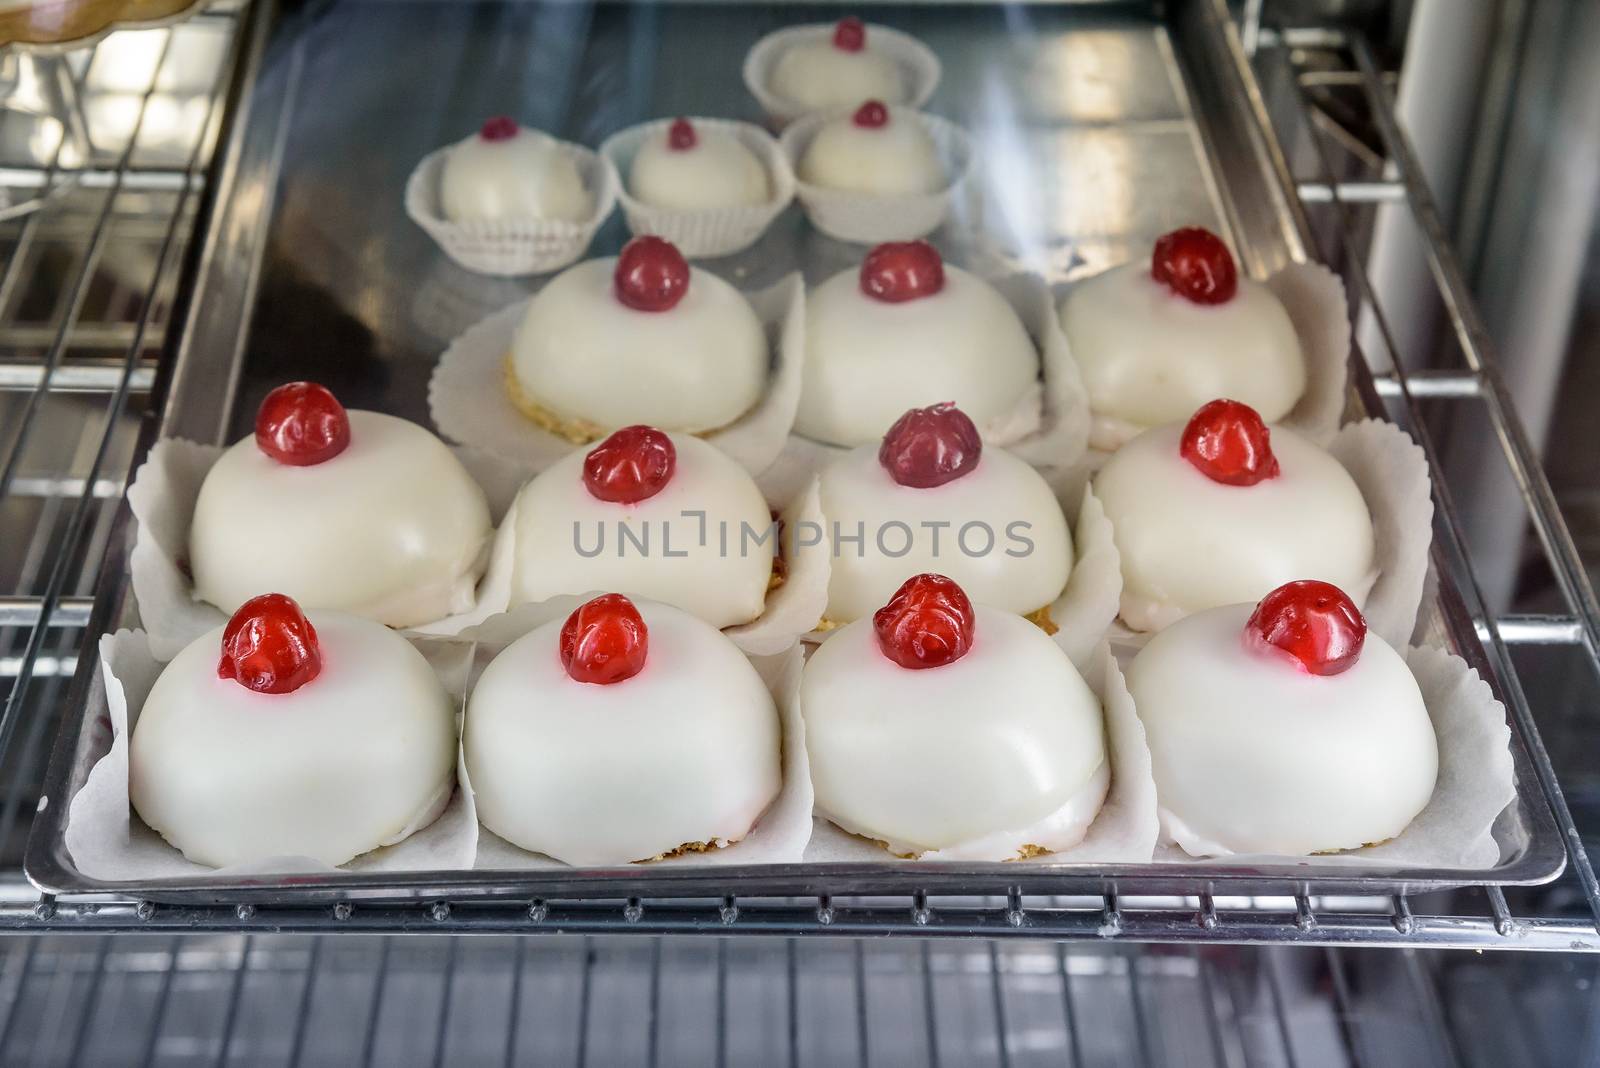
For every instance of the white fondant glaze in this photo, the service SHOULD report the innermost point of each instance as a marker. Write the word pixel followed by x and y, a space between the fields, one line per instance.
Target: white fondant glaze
pixel 896 158
pixel 718 171
pixel 990 747
pixel 689 549
pixel 582 353
pixel 1252 754
pixel 685 751
pixel 523 177
pixel 1149 356
pixel 393 528
pixel 868 360
pixel 820 77
pixel 1188 543
pixel 352 760
pixel 1016 558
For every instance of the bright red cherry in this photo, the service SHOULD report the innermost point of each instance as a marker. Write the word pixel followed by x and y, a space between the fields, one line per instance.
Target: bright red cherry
pixel 269 646
pixel 1227 442
pixel 652 275
pixel 927 623
pixel 604 641
pixel 1194 263
pixel 1314 622
pixel 928 447
pixel 630 466
pixel 849 34
pixel 898 271
pixel 681 135
pixel 300 424
pixel 499 128
pixel 872 115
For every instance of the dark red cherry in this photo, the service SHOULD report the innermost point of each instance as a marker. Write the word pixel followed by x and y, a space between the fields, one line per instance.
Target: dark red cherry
pixel 652 275
pixel 630 466
pixel 927 623
pixel 898 271
pixel 681 135
pixel 849 34
pixel 499 128
pixel 269 646
pixel 1314 622
pixel 300 424
pixel 1227 442
pixel 1194 263
pixel 872 115
pixel 604 641
pixel 928 447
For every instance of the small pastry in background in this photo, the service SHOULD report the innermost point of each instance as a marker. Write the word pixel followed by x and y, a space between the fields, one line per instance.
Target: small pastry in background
pixel 695 168
pixel 840 71
pixel 875 149
pixel 506 171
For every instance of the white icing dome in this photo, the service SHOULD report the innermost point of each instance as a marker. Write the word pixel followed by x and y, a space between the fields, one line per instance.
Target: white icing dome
pixel 896 158
pixel 695 554
pixel 1001 749
pixel 821 77
pixel 525 176
pixel 1149 356
pixel 996 495
pixel 717 171
pixel 584 355
pixel 1189 543
pixel 868 360
pixel 392 528
pixel 360 756
pixel 686 751
pixel 1253 755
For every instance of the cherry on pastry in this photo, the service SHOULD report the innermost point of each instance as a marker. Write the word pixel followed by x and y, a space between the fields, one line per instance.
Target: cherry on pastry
pixel 930 446
pixel 498 128
pixel 604 641
pixel 928 623
pixel 269 646
pixel 1195 264
pixel 630 466
pixel 849 34
pixel 1227 442
pixel 300 424
pixel 652 275
pixel 872 115
pixel 681 135
pixel 1314 622
pixel 898 271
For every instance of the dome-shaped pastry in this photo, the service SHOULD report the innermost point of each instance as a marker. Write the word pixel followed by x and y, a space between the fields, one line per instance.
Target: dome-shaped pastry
pixel 874 149
pixel 839 72
pixel 506 171
pixel 695 168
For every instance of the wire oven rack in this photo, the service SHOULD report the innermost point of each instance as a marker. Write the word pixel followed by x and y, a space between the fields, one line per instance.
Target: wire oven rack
pixel 95 288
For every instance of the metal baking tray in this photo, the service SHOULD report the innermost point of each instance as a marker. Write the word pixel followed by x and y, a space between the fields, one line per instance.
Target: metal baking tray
pixel 1107 126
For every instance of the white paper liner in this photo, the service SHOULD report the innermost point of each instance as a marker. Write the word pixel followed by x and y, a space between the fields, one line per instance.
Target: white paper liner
pixel 162 498
pixel 1476 780
pixel 1124 831
pixel 919 67
pixel 870 218
pixel 512 246
pixel 779 835
pixel 1088 605
pixel 108 842
pixel 469 403
pixel 710 231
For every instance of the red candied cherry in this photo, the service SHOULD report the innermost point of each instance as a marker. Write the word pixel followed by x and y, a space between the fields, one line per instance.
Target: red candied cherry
pixel 1314 622
pixel 898 271
pixel 604 641
pixel 1194 263
pixel 872 115
pixel 927 623
pixel 849 34
pixel 269 646
pixel 301 423
pixel 652 275
pixel 681 135
pixel 930 446
pixel 630 466
pixel 1227 442
pixel 499 128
